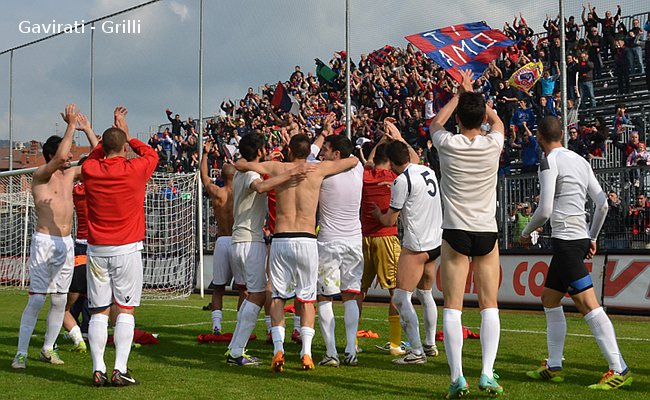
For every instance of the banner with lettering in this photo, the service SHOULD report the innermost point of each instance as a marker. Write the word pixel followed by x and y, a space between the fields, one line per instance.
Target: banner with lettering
pixel 462 47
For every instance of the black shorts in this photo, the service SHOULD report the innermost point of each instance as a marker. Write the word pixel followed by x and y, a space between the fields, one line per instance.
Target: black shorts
pixel 433 254
pixel 471 244
pixel 79 283
pixel 567 272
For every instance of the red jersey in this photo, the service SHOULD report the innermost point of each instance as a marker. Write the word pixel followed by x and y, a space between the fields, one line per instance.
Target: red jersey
pixel 115 190
pixel 79 199
pixel 378 194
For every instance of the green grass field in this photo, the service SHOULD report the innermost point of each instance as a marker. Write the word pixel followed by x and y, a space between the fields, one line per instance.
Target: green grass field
pixel 180 368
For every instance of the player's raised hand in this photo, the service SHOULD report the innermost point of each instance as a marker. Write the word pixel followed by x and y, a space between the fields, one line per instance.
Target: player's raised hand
pixel 466 84
pixel 119 120
pixel 327 124
pixel 391 129
pixel 70 115
pixel 82 123
pixel 207 146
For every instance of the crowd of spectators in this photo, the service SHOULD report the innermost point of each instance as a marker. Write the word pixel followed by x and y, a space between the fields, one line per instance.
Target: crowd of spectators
pixel 406 85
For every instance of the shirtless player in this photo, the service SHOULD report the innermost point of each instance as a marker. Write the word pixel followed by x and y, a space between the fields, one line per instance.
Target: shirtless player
pixel 222 206
pixel 51 258
pixel 294 250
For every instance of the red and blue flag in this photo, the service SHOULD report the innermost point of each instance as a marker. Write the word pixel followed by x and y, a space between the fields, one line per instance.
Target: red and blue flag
pixel 462 47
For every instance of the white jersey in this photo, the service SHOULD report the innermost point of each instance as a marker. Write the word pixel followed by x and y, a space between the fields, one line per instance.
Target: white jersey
pixel 415 194
pixel 565 180
pixel 250 209
pixel 468 182
pixel 339 205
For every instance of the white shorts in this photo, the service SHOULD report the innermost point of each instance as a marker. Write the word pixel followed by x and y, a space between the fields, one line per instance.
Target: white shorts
pixel 51 263
pixel 248 262
pixel 114 279
pixel 293 267
pixel 221 269
pixel 340 266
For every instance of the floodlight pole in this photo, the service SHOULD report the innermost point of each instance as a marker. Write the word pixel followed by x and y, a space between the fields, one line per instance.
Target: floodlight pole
pixel 11 107
pixel 92 73
pixel 563 77
pixel 200 125
pixel 348 105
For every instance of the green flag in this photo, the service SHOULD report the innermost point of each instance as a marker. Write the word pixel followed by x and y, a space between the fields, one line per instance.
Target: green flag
pixel 324 72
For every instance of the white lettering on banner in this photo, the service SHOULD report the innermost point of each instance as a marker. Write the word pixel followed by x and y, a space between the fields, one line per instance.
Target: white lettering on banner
pixel 482 35
pixel 454 29
pixel 433 35
pixel 448 59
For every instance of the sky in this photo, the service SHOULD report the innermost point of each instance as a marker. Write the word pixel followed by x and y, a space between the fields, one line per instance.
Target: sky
pixel 246 43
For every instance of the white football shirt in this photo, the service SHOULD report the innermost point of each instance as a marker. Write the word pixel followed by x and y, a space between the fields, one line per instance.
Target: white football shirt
pixel 415 193
pixel 250 209
pixel 565 180
pixel 468 179
pixel 339 205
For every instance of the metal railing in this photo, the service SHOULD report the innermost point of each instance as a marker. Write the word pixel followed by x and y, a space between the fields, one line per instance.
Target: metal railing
pixel 623 230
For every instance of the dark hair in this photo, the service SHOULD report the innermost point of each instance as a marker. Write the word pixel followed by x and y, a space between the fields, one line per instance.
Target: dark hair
pixel 341 144
pixel 250 145
pixel 471 110
pixel 50 147
pixel 113 140
pixel 550 129
pixel 380 154
pixel 300 146
pixel 398 153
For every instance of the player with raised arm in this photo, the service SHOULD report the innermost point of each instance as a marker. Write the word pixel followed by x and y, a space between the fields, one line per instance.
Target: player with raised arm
pixel 248 256
pixel 115 192
pixel 415 199
pixel 565 181
pixel 78 287
pixel 51 260
pixel 381 246
pixel 222 207
pixel 294 251
pixel 468 164
pixel 340 250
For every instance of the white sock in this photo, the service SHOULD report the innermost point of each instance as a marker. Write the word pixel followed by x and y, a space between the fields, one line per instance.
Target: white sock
pixel 123 338
pixel 97 337
pixel 351 318
pixel 490 333
pixel 603 331
pixel 307 334
pixel 296 322
pixel 217 315
pixel 267 320
pixel 408 318
pixel 247 321
pixel 453 332
pixel 555 335
pixel 327 326
pixel 54 319
pixel 277 333
pixel 237 324
pixel 28 321
pixel 75 334
pixel 430 315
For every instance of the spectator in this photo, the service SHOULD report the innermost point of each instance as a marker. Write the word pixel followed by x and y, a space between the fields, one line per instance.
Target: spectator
pixel 176 122
pixel 627 148
pixel 529 152
pixel 638 221
pixel 640 156
pixel 608 25
pixel 614 227
pixel 571 77
pixel 633 44
pixel 646 27
pixel 595 45
pixel 522 116
pixel 621 67
pixel 577 144
pixel 521 216
pixel 571 33
pixel 547 83
pixel 585 80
